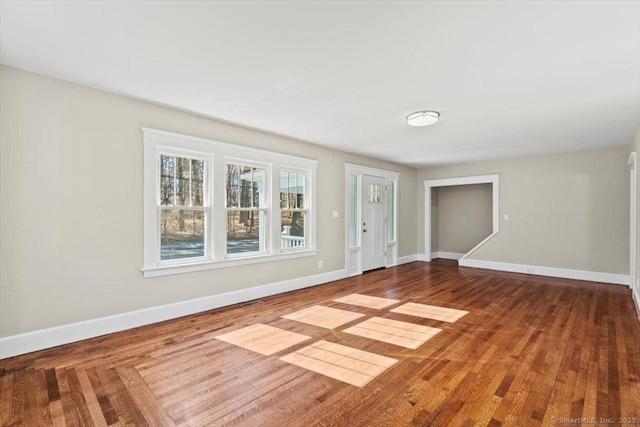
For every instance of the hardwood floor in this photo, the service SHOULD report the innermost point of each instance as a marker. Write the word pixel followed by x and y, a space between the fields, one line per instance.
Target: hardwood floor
pixel 530 351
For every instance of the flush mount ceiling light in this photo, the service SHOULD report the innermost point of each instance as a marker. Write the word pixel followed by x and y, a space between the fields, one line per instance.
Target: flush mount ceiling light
pixel 423 118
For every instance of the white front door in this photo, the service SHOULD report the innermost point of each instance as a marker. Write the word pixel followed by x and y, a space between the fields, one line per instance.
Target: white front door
pixel 373 222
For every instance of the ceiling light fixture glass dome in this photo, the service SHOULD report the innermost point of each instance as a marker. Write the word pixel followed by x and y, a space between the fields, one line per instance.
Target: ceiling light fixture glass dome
pixel 423 118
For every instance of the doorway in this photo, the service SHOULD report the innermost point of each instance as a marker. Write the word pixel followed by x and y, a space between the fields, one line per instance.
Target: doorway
pixel 493 179
pixel 371 226
pixel 373 221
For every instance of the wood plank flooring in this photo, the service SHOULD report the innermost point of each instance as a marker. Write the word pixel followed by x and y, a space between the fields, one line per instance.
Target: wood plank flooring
pixel 522 351
pixel 324 317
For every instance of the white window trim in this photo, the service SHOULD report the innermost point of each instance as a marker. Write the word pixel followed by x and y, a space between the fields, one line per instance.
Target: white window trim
pixel 218 154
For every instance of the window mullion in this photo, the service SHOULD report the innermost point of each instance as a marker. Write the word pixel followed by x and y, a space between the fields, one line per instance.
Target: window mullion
pixel 175 223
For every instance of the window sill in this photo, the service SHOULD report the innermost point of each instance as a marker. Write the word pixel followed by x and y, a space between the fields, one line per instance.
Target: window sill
pixel 230 262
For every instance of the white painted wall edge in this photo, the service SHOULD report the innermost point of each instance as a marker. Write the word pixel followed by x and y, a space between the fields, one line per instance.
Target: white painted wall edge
pixel 446 255
pixel 45 338
pixel 476 247
pixel 591 276
pixel 636 301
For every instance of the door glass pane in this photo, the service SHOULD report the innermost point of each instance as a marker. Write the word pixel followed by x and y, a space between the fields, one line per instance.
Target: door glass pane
pixel 181 233
pixel 391 194
pixel 374 193
pixel 292 225
pixel 245 231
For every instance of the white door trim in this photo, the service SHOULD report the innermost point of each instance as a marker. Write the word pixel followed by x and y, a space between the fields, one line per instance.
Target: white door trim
pixel 633 225
pixel 493 179
pixel 353 254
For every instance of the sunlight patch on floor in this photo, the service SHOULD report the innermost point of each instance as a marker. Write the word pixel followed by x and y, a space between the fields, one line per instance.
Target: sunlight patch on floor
pixel 443 314
pixel 346 364
pixel 403 334
pixel 367 301
pixel 263 339
pixel 324 317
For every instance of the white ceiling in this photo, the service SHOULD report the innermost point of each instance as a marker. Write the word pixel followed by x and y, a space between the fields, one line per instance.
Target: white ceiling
pixel 509 78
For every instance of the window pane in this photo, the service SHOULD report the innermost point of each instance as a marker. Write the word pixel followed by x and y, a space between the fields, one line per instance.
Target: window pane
pixel 292 234
pixel 300 191
pixel 353 210
pixel 181 181
pixel 245 231
pixel 167 179
pixel 232 179
pixel 292 186
pixel 284 190
pixel 291 189
pixel 245 187
pixel 197 182
pixel 391 194
pixel 181 233
pixel 258 188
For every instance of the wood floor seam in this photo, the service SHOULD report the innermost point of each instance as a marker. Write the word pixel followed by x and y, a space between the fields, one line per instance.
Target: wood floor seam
pixel 518 350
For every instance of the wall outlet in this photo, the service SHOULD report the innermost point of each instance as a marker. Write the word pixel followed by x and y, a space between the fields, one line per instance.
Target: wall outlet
pixel 320 264
pixel 335 214
pixel 506 217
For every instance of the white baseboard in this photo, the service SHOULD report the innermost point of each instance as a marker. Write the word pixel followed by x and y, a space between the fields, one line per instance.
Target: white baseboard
pixel 45 338
pixel 407 259
pixel 423 257
pixel 446 255
pixel 592 276
pixel 636 301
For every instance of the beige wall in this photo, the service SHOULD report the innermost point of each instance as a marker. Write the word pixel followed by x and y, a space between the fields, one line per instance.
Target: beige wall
pixel 461 217
pixel 71 205
pixel 71 230
pixel 568 210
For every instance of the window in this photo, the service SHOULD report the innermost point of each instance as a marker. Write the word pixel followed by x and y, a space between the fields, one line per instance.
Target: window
pixel 209 204
pixel 246 208
pixel 183 211
pixel 293 210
